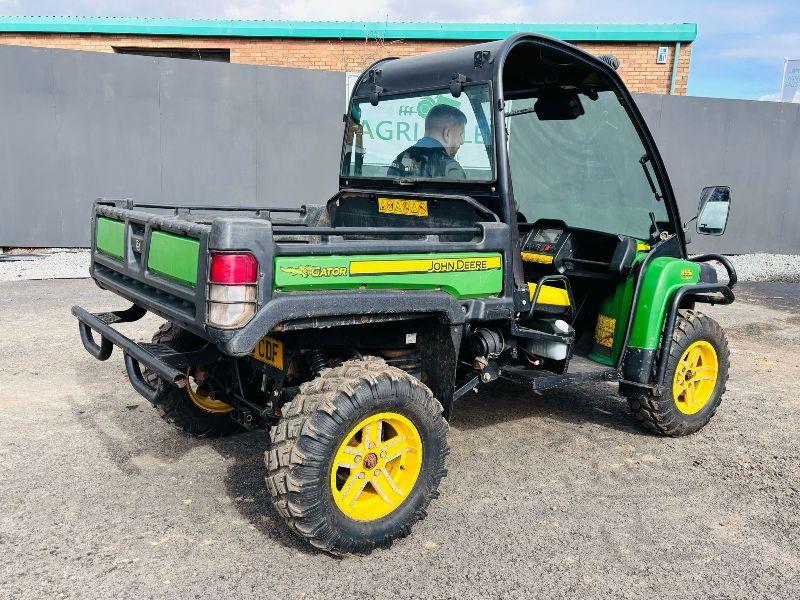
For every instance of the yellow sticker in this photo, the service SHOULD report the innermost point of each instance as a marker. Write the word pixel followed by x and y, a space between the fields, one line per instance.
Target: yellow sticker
pixel 544 259
pixel 424 265
pixel 604 332
pixel 315 271
pixel 411 208
pixel 686 273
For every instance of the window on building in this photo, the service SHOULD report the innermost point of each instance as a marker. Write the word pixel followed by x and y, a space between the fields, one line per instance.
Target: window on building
pixel 212 54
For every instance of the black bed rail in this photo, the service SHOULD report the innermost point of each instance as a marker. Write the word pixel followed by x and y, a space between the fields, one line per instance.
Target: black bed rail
pixel 178 209
pixel 303 230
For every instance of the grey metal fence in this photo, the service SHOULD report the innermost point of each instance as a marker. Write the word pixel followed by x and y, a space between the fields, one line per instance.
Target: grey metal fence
pixel 754 147
pixel 77 125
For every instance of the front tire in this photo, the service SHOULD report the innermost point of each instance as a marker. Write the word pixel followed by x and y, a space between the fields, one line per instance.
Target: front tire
pixel 357 457
pixel 694 382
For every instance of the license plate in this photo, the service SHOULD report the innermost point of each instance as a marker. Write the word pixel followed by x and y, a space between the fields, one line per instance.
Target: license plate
pixel 411 208
pixel 269 351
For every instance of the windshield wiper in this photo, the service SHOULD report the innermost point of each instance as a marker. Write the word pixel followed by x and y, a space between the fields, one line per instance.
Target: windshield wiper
pixel 643 161
pixel 521 111
pixel 407 180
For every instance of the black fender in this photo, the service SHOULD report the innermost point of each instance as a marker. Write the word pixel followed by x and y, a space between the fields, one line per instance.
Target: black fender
pixel 305 310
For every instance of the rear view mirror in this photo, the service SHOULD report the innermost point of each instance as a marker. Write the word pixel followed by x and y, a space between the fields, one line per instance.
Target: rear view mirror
pixel 561 107
pixel 715 203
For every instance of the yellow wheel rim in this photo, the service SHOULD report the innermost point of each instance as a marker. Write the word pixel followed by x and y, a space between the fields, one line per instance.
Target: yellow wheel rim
pixel 203 401
pixel 376 466
pixel 695 377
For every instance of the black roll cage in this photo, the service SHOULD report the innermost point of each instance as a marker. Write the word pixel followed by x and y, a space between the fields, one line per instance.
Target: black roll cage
pixel 495 55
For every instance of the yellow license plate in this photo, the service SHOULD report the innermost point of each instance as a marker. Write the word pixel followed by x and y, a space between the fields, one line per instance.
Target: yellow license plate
pixel 269 351
pixel 411 208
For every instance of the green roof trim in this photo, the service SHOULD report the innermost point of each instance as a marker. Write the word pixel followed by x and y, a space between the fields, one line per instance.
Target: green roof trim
pixel 669 32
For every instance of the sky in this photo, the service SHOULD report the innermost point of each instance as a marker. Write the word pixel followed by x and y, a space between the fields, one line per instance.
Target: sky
pixel 738 53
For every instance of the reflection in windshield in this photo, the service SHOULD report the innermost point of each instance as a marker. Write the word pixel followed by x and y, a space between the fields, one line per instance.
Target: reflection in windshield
pixel 425 136
pixel 584 171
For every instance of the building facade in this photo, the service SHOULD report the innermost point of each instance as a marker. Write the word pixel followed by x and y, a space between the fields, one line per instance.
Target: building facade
pixel 654 58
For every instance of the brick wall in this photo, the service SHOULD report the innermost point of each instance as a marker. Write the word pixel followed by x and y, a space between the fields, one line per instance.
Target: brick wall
pixel 638 66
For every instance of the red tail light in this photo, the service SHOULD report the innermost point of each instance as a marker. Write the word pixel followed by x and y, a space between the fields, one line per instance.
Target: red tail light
pixel 232 289
pixel 233 269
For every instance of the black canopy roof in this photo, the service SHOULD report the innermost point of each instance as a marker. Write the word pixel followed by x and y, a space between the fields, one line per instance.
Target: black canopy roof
pixel 477 63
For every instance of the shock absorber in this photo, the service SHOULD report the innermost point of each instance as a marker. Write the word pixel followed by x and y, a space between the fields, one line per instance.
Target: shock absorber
pixel 317 360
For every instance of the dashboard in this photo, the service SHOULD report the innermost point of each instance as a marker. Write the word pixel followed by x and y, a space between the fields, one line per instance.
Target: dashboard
pixel 553 245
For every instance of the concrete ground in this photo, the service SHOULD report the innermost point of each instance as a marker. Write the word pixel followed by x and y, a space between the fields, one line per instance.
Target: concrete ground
pixel 551 495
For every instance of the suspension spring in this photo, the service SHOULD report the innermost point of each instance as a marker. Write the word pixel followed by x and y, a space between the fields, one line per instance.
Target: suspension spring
pixel 317 360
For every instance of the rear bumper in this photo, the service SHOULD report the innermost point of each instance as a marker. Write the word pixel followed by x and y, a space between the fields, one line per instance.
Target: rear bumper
pixel 170 366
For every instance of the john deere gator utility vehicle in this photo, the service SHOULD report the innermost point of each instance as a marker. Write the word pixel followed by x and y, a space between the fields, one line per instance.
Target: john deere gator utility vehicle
pixel 503 213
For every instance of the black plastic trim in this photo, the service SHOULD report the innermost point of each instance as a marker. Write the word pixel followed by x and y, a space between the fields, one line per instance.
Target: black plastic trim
pixel 696 293
pixel 295 306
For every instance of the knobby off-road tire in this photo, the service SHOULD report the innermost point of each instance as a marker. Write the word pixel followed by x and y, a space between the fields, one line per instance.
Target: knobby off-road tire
pixel 313 434
pixel 672 414
pixel 174 404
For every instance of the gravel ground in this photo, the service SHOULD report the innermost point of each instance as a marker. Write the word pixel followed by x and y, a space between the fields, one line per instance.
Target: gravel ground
pixel 764 267
pixel 73 264
pixel 556 494
pixel 54 263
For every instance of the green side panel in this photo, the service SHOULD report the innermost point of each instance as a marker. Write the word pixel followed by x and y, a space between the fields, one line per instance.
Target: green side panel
pixel 617 308
pixel 461 274
pixel 662 278
pixel 110 237
pixel 174 257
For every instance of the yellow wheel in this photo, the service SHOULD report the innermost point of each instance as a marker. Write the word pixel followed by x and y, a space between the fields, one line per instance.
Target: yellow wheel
pixel 357 456
pixel 376 466
pixel 203 397
pixel 697 371
pixel 695 377
pixel 192 409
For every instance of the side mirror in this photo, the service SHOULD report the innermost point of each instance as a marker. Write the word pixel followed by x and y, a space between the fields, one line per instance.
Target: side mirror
pixel 715 204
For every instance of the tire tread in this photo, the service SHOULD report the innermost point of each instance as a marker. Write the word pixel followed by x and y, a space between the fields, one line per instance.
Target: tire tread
pixel 301 437
pixel 657 413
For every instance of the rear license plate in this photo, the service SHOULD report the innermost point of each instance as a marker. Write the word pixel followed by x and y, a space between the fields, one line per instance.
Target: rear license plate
pixel 269 351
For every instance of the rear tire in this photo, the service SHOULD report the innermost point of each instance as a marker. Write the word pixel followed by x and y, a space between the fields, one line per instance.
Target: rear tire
pixel 175 405
pixel 396 467
pixel 694 382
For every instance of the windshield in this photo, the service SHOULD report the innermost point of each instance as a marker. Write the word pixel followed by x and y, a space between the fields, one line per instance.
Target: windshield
pixel 585 170
pixel 426 135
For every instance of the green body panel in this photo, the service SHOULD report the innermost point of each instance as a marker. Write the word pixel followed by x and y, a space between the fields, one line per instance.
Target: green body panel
pixel 462 274
pixel 174 257
pixel 617 307
pixel 110 237
pixel 662 278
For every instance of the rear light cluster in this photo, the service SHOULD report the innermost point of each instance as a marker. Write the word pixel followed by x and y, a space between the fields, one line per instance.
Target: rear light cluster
pixel 232 289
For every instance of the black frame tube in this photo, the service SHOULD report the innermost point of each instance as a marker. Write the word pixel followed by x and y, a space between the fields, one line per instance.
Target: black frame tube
pixel 109 335
pixel 699 288
pixel 303 230
pixel 635 300
pixel 732 277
